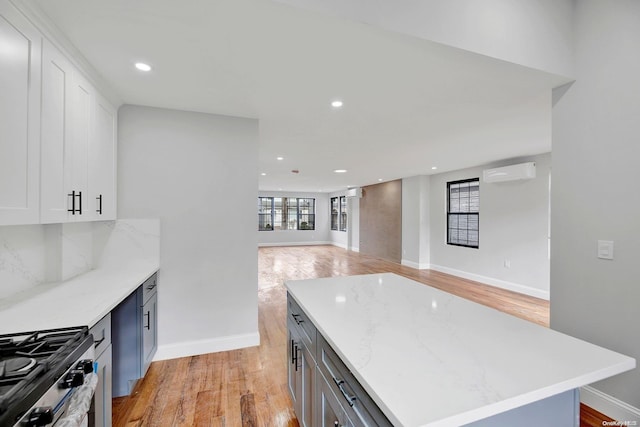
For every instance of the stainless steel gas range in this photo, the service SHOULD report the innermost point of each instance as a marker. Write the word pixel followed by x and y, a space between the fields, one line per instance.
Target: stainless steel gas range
pixel 46 378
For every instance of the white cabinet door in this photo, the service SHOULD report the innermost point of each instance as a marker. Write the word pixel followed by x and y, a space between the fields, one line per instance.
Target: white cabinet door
pixel 102 162
pixel 56 135
pixel 77 157
pixel 78 145
pixel 20 53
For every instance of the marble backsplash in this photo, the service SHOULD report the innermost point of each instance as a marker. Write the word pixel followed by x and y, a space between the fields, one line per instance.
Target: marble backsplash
pixel 33 255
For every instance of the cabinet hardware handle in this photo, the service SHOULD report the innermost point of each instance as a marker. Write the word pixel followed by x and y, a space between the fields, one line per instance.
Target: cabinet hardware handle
pixel 148 316
pixel 80 202
pixel 150 287
pixel 292 356
pixel 295 317
pixel 296 357
pixel 97 343
pixel 99 199
pixel 350 398
pixel 73 202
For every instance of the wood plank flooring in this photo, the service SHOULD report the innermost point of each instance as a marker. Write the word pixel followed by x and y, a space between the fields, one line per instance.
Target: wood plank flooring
pixel 247 387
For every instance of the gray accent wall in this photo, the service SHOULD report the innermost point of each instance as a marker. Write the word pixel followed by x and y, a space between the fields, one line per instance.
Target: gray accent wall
pixel 596 151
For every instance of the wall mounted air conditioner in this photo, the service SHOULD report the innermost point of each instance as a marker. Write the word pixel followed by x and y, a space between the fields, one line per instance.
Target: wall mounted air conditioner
pixel 510 173
pixel 354 192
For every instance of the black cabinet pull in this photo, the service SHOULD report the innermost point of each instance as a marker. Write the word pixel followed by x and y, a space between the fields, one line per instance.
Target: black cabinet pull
pixel 99 199
pixel 292 344
pixel 97 343
pixel 73 196
pixel 350 398
pixel 295 317
pixel 148 316
pixel 296 357
pixel 73 202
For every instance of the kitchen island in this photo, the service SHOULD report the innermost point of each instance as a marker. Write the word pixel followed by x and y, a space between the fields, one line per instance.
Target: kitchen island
pixel 424 357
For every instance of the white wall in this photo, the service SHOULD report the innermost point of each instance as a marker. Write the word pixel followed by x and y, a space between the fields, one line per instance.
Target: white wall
pixel 319 236
pixel 514 218
pixel 533 33
pixel 197 173
pixel 416 235
pixel 594 195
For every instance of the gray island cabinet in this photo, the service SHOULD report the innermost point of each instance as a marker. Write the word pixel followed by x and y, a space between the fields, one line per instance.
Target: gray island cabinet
pixel 383 350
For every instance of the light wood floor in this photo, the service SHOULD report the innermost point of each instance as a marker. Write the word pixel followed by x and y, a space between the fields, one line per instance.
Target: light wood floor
pixel 247 387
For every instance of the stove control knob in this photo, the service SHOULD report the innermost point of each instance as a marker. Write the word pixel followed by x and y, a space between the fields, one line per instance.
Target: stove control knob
pixel 40 416
pixel 75 378
pixel 85 365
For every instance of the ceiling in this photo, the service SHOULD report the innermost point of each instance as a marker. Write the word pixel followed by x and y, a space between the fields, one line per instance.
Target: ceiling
pixel 409 104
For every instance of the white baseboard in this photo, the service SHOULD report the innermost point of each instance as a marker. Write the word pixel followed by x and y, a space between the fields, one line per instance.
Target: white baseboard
pixel 355 249
pixel 265 244
pixel 609 405
pixel 339 245
pixel 527 290
pixel 419 266
pixel 214 345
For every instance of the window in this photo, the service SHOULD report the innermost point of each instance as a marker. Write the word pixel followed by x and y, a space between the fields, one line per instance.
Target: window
pixel 343 213
pixel 463 209
pixel 286 213
pixel 339 213
pixel 334 213
pixel 265 213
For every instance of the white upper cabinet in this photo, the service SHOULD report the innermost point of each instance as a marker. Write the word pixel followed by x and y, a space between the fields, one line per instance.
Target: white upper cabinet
pixel 102 161
pixel 56 138
pixel 20 80
pixel 77 157
pixel 78 145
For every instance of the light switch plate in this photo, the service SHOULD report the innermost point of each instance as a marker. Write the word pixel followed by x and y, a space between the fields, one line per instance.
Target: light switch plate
pixel 605 249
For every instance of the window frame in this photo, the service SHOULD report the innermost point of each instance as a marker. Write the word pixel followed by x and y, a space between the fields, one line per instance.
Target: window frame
pixel 343 213
pixel 335 216
pixel 467 213
pixel 288 204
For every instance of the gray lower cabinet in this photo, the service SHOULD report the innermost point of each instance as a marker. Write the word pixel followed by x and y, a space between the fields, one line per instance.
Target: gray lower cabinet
pixel 330 412
pixel 134 336
pixel 323 390
pixel 101 332
pixel 301 378
pixel 149 321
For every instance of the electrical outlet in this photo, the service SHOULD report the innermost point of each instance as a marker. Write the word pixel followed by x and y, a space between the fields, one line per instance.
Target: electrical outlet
pixel 507 263
pixel 605 249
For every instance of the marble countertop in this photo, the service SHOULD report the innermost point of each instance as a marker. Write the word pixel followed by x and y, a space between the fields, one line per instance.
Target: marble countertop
pixel 429 358
pixel 80 301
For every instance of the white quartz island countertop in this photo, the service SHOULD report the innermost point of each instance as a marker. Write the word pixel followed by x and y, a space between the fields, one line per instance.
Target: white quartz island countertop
pixel 81 301
pixel 429 358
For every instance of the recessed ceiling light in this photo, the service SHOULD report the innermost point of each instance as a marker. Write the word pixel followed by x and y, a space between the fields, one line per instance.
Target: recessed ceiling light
pixel 279 158
pixel 336 104
pixel 379 179
pixel 142 66
pixel 263 173
pixel 434 167
pixel 340 171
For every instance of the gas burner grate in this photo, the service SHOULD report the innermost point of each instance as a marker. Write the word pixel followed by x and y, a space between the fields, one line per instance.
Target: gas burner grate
pixel 49 350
